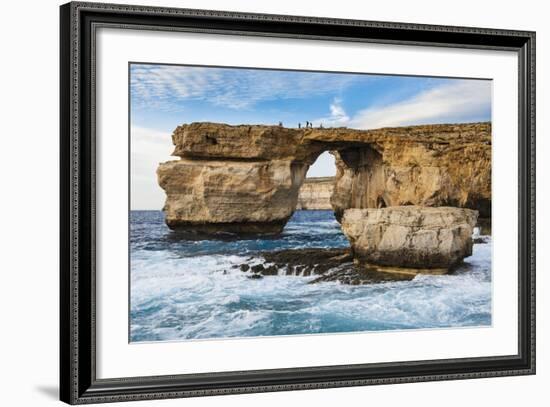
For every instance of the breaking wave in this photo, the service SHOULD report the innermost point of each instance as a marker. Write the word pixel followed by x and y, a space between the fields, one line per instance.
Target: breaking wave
pixel 193 289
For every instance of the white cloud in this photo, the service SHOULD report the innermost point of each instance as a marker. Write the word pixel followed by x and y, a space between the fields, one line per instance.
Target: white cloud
pixel 458 101
pixel 337 117
pixel 148 149
pixel 164 86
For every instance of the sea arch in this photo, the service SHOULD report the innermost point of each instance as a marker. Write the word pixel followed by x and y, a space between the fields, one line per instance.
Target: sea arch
pixel 246 179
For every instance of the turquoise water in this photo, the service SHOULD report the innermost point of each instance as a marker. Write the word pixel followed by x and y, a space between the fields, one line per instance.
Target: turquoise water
pixel 187 289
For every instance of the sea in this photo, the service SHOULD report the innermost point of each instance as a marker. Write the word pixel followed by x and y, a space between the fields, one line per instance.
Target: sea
pixel 183 289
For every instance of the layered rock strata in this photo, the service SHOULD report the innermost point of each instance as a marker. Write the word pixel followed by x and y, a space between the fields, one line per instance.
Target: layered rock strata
pixel 246 179
pixel 315 194
pixel 410 236
pixel 239 197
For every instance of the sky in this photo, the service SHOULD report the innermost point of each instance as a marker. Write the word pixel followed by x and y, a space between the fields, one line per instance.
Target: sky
pixel 165 96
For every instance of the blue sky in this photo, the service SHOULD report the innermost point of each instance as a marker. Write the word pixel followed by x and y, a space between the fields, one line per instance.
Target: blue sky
pixel 165 96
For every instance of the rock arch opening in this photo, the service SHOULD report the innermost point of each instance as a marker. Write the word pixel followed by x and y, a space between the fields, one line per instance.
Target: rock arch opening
pixel 317 188
pixel 358 180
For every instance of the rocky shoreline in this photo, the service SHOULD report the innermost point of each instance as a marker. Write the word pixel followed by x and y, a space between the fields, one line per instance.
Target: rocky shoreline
pixel 326 265
pixel 330 265
pixel 429 241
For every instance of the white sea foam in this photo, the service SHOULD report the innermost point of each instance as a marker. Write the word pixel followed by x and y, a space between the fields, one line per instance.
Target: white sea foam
pixel 205 297
pixel 177 292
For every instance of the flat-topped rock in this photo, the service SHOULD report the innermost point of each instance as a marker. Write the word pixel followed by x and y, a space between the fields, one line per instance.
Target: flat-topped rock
pixel 410 236
pixel 206 140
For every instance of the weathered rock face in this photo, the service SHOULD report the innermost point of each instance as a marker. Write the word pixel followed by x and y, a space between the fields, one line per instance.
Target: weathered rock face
pixel 427 166
pixel 315 194
pixel 410 236
pixel 247 178
pixel 230 196
pixel 245 142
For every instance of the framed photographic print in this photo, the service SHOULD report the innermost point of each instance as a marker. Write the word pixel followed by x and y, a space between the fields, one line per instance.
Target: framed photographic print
pixel 255 203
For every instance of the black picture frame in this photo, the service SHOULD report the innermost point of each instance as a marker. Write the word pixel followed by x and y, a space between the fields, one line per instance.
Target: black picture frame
pixel 78 382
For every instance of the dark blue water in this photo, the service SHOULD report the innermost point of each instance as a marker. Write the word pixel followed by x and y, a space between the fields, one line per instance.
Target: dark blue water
pixel 187 289
pixel 305 229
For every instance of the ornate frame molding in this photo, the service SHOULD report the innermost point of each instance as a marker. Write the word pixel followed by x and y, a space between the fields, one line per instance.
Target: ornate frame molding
pixel 79 21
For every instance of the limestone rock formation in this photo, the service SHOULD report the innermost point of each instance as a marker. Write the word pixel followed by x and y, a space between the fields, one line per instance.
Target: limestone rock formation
pixel 315 194
pixel 410 236
pixel 205 140
pixel 439 165
pixel 247 178
pixel 241 197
